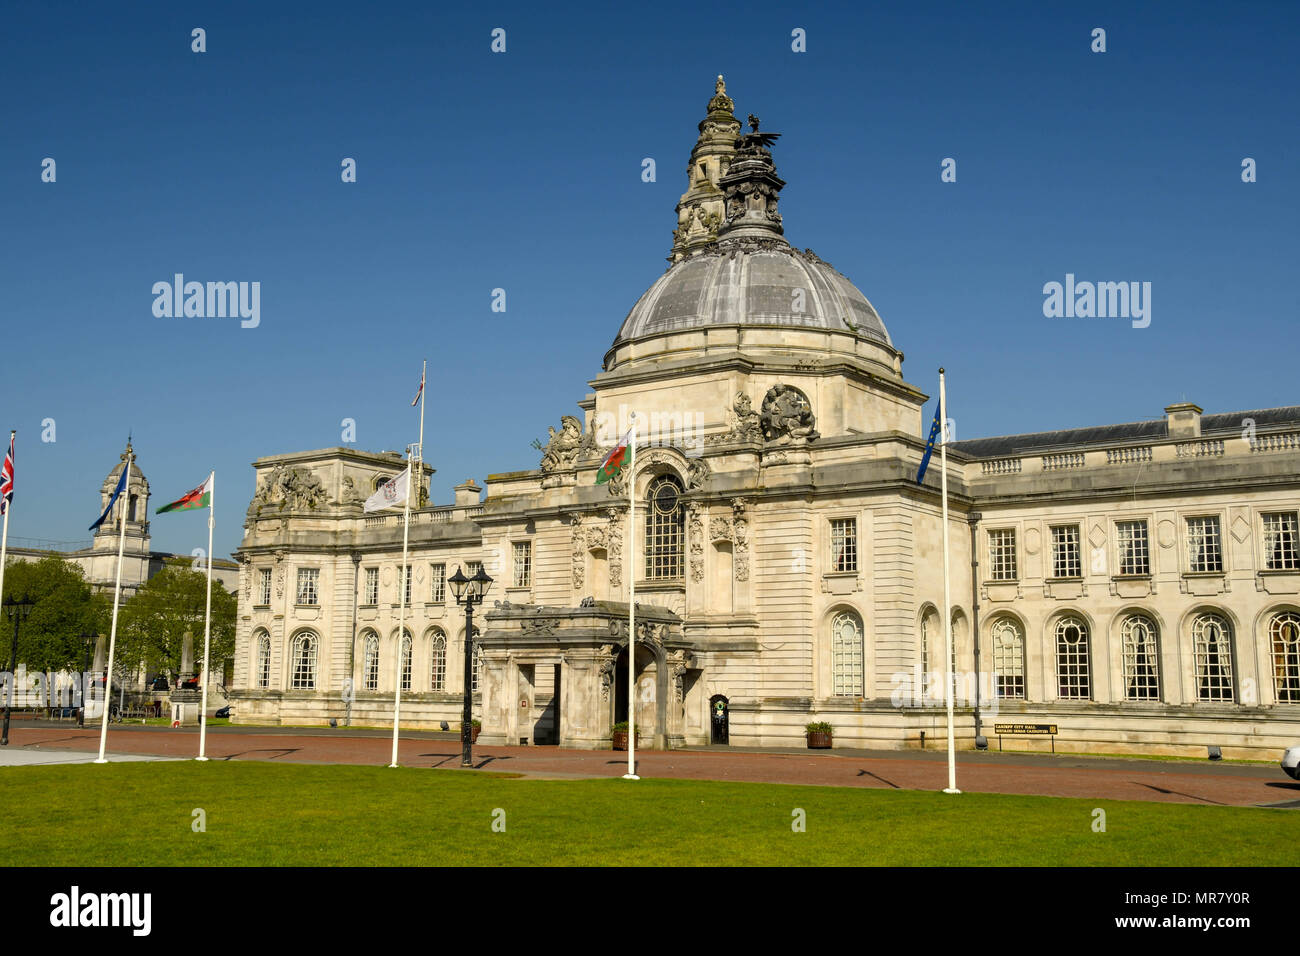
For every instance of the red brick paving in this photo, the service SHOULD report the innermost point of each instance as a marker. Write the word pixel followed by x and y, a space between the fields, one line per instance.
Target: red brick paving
pixel 988 773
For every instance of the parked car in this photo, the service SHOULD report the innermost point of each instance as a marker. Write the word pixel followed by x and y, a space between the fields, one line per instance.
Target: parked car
pixel 222 712
pixel 1291 762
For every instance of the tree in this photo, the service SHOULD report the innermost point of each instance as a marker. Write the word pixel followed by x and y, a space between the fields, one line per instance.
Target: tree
pixel 66 607
pixel 151 626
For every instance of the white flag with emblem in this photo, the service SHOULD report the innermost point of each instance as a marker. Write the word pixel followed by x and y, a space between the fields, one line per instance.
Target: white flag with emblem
pixel 392 494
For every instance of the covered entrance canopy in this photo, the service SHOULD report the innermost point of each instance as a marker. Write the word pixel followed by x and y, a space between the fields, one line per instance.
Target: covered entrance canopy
pixel 551 674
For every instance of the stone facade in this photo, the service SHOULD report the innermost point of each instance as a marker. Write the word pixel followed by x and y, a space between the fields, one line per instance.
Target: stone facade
pixel 789 564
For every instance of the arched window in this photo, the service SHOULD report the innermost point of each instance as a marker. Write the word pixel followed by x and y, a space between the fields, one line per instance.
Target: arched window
pixel 438 657
pixel 303 675
pixel 846 655
pixel 1212 646
pixel 1009 659
pixel 476 669
pixel 406 660
pixel 1073 678
pixel 665 530
pixel 1141 658
pixel 263 673
pixel 370 671
pixel 131 512
pixel 925 641
pixel 1284 631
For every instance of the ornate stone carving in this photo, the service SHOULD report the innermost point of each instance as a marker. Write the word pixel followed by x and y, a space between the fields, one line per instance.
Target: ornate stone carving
pixel 696 527
pixel 615 550
pixel 741 567
pixel 537 624
pixel 697 570
pixel 719 529
pixel 618 484
pixel 561 452
pixel 296 488
pixel 697 473
pixel 349 494
pixel 788 416
pixel 606 676
pixel 745 424
pixel 579 551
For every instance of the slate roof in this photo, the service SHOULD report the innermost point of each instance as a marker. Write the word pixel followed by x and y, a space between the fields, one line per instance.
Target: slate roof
pixel 1223 423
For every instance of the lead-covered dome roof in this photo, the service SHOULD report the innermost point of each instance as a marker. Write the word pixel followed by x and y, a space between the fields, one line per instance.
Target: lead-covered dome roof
pixel 744 285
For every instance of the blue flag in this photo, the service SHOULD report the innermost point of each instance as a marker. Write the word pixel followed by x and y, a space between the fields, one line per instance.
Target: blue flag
pixel 929 446
pixel 121 483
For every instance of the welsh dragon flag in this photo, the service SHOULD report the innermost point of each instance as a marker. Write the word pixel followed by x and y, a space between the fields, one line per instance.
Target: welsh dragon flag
pixel 200 497
pixel 615 460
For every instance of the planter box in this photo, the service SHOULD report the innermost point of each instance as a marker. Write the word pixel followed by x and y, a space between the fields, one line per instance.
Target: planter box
pixel 819 741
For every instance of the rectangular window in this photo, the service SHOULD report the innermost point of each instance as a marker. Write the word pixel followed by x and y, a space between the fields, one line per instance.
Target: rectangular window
pixel 309 585
pixel 1065 551
pixel 844 544
pixel 523 564
pixel 1134 548
pixel 1002 554
pixel 1204 546
pixel 472 568
pixel 1281 552
pixel 372 586
pixel 406 591
pixel 264 586
pixel 438 583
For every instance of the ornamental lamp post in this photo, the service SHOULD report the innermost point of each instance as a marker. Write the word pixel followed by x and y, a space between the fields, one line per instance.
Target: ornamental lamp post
pixel 469 591
pixel 17 611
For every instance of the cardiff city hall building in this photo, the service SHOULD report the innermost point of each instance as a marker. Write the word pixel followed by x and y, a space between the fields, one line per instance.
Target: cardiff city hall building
pixel 1134 588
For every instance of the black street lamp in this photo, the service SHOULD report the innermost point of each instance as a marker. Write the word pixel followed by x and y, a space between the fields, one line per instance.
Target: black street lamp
pixel 17 610
pixel 469 591
pixel 87 682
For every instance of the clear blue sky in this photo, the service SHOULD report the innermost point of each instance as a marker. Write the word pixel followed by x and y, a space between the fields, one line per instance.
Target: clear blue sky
pixel 522 171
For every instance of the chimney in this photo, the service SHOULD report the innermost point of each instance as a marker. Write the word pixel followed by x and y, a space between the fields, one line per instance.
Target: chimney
pixel 1183 420
pixel 467 494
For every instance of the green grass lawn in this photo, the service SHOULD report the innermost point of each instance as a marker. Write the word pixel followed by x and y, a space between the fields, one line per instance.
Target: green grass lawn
pixel 260 814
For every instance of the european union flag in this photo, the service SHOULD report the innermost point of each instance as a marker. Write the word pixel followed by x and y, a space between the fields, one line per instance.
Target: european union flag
pixel 121 483
pixel 929 446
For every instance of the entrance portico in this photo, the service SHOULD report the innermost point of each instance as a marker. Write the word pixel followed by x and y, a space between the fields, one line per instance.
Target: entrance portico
pixel 559 675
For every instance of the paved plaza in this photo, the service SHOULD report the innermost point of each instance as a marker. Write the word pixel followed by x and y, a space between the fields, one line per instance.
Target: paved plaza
pixel 1060 776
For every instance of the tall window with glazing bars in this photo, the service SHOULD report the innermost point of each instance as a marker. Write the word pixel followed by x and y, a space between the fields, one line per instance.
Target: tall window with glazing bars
pixel 1002 554
pixel 1073 675
pixel 665 530
pixel 1204 546
pixel 1134 548
pixel 844 544
pixel 1281 551
pixel 309 585
pixel 1065 551
pixel 1284 634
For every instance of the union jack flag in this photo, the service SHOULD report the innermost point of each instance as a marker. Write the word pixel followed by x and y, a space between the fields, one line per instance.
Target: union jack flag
pixel 7 478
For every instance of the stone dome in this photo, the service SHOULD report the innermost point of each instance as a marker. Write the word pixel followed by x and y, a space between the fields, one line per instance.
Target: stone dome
pixel 773 285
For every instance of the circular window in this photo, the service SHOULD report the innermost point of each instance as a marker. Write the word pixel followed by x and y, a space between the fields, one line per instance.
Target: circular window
pixel 665 498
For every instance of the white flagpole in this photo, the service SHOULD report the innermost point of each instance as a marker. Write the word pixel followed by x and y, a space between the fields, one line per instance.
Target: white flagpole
pixel 420 474
pixel 401 613
pixel 630 568
pixel 207 624
pixel 947 611
pixel 122 499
